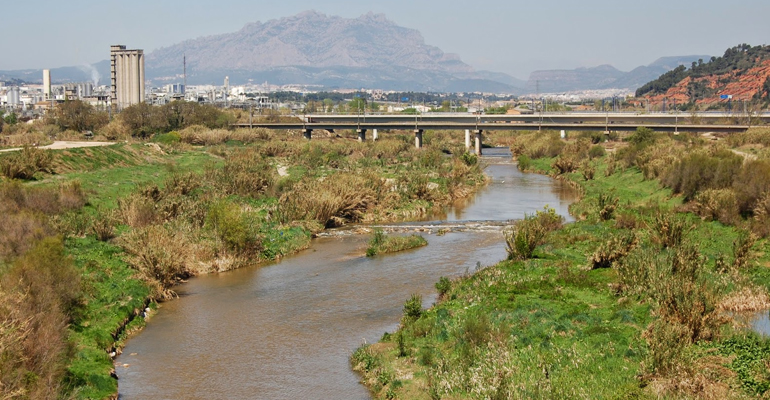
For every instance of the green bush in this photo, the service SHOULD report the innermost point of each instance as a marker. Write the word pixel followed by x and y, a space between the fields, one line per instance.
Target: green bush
pixel 25 164
pixel 596 152
pixel 524 162
pixel 412 309
pixel 234 227
pixel 170 138
pixel 525 235
pixel 444 285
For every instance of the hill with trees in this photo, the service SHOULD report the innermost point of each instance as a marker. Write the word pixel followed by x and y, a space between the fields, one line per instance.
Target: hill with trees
pixel 742 73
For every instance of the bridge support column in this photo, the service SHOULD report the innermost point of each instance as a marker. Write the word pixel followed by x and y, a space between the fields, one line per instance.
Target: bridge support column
pixel 374 135
pixel 361 135
pixel 418 138
pixel 467 139
pixel 307 133
pixel 478 141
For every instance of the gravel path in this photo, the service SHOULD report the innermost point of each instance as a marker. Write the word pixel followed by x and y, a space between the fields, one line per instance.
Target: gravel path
pixel 63 144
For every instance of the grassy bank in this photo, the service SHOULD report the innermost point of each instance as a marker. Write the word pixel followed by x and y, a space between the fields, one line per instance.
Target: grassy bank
pixel 128 222
pixel 634 300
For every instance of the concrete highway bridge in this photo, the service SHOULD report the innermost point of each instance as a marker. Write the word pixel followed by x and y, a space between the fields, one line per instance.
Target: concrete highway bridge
pixel 477 124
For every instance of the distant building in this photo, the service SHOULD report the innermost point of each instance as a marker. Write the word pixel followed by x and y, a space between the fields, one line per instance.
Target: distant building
pixel 47 83
pixel 127 76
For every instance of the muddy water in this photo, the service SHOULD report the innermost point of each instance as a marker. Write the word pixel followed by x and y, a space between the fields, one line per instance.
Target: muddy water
pixel 286 330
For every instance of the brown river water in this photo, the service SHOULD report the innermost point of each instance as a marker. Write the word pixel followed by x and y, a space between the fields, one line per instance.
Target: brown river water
pixel 286 330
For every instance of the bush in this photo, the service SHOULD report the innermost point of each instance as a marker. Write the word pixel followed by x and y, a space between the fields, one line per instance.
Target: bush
pixel 718 205
pixel 751 184
pixel 564 164
pixel 596 151
pixel 699 171
pixel 233 227
pixel 167 138
pixel 607 206
pixel 334 201
pixel 525 235
pixel 670 229
pixel 613 250
pixel 160 254
pixel 524 162
pixel 588 170
pixel 39 295
pixel 412 309
pixel 443 286
pixel 25 164
pixel 245 173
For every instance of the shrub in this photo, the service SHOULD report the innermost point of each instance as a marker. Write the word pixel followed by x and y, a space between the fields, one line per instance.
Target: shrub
pixel 233 227
pixel 587 170
pixel 524 162
pixel 670 229
pixel 26 163
pixel 167 138
pixel 642 137
pixel 469 159
pixel 613 250
pixel 103 226
pixel 160 254
pixel 40 294
pixel 699 171
pixel 525 235
pixel 443 286
pixel 718 205
pixel 564 164
pixel 245 173
pixel 412 309
pixel 751 184
pixel 596 151
pixel 336 200
pixel 607 206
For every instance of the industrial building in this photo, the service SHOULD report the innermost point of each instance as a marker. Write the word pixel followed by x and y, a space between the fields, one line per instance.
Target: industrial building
pixel 127 76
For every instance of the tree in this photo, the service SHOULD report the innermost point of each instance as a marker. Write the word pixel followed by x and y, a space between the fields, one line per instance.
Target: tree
pixel 11 119
pixel 357 105
pixel 329 105
pixel 79 116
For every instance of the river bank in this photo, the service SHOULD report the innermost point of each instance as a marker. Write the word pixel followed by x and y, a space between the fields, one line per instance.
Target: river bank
pixel 576 320
pixel 293 323
pixel 139 219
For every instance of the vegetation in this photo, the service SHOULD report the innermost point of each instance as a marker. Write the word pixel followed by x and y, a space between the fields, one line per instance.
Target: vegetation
pixel 103 233
pixel 634 300
pixel 382 243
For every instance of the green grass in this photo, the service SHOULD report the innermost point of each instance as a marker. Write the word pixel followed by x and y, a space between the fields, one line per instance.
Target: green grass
pixel 114 296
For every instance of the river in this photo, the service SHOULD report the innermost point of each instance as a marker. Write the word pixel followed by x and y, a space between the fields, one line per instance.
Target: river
pixel 286 330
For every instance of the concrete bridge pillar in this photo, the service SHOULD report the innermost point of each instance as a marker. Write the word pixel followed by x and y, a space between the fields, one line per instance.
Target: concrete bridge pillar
pixel 308 133
pixel 374 135
pixel 478 141
pixel 418 138
pixel 467 139
pixel 361 135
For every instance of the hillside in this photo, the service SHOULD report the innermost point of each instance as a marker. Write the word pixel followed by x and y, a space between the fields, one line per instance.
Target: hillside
pixel 743 73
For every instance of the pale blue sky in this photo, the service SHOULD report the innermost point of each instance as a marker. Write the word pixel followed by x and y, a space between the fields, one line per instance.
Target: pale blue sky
pixel 515 37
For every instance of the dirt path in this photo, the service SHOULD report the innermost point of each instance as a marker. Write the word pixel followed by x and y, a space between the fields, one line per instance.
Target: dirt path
pixel 62 144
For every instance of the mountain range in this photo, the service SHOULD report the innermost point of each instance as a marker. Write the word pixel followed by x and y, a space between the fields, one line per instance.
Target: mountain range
pixel 371 52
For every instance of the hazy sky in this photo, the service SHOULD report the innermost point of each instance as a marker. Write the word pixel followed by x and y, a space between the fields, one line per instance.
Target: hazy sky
pixel 515 37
